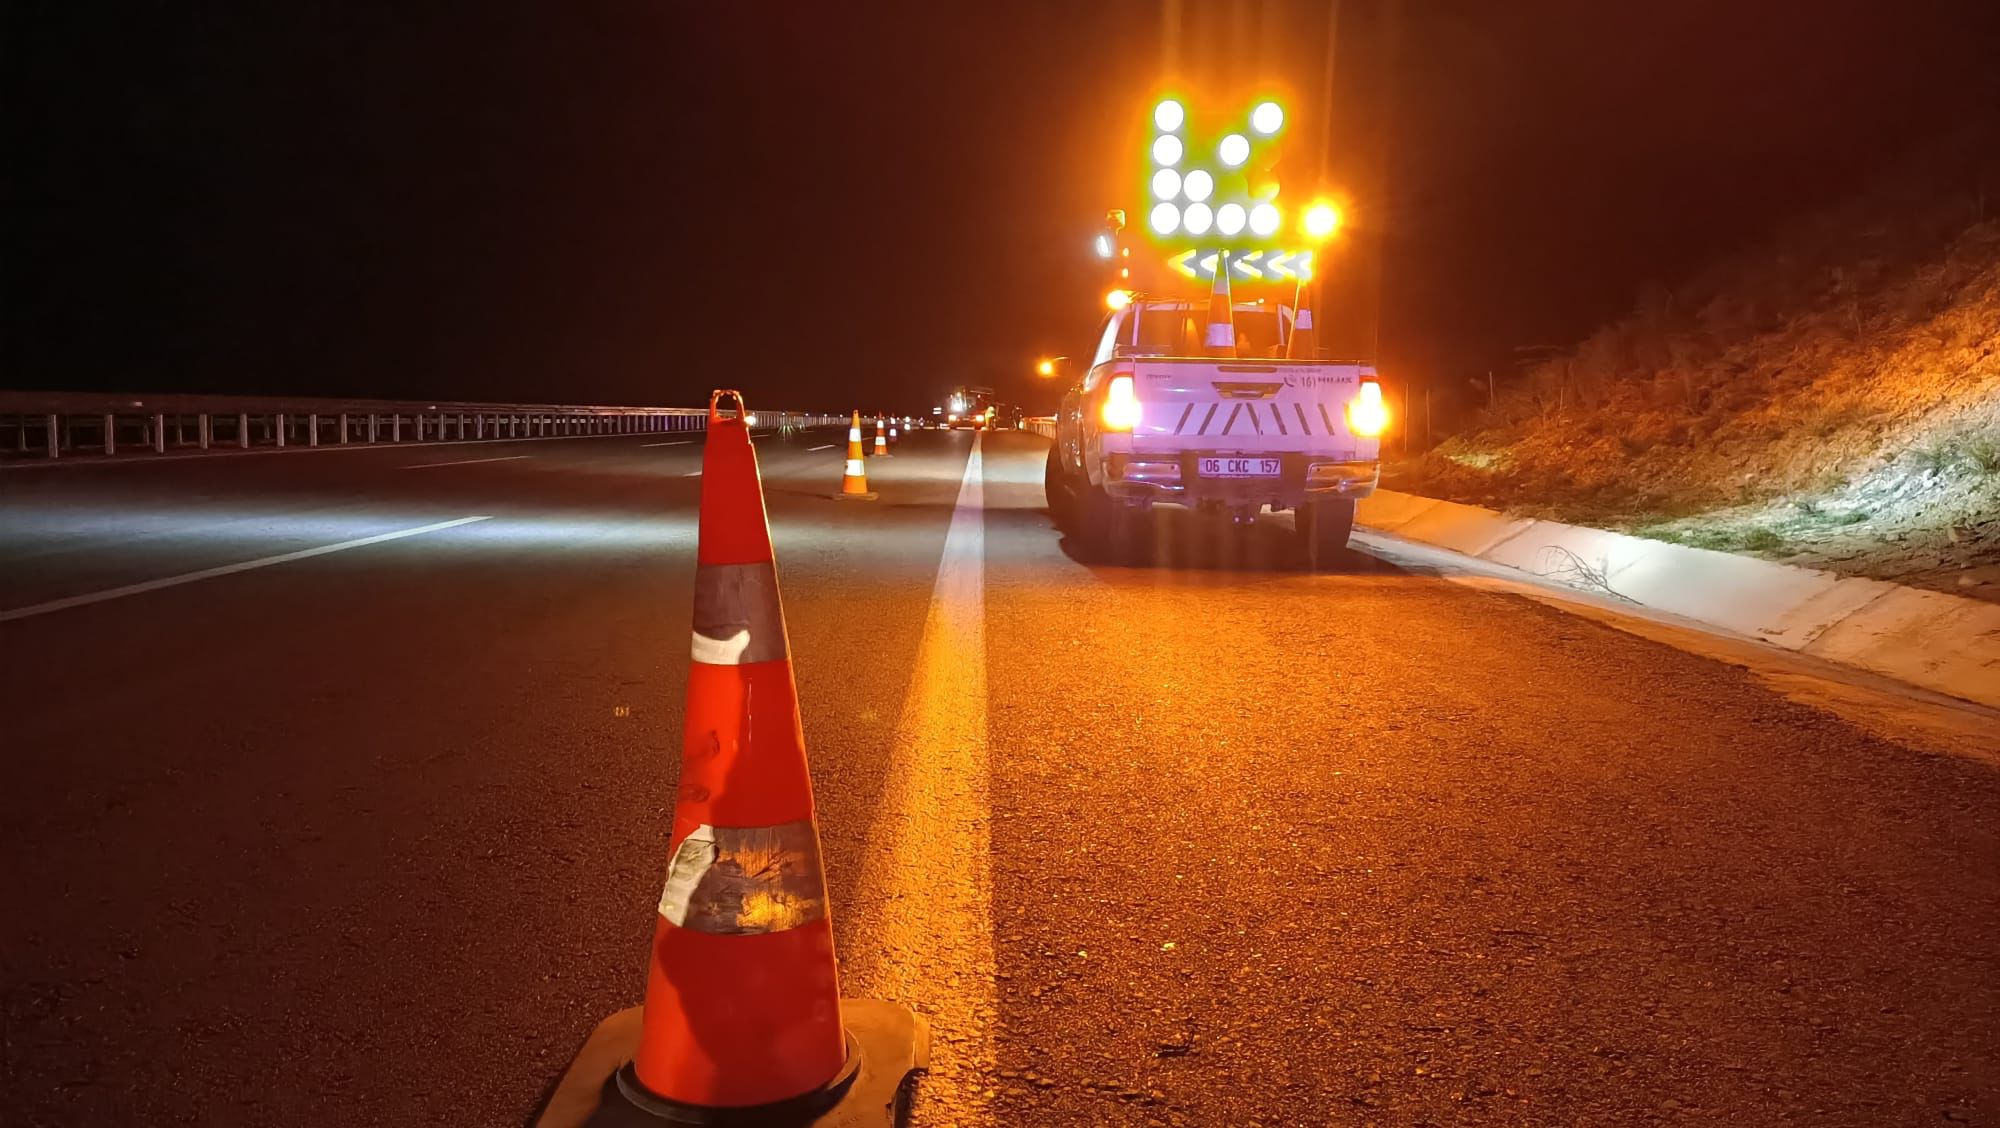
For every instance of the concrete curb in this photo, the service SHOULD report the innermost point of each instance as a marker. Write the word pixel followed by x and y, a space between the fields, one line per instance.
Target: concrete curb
pixel 1930 639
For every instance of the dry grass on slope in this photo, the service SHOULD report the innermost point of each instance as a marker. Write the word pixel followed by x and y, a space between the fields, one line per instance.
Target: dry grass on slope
pixel 1832 399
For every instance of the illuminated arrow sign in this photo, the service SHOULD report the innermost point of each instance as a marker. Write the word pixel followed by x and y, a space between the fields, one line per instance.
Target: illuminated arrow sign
pixel 1247 266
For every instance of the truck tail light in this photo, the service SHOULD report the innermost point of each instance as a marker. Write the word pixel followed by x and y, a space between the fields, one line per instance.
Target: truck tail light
pixel 1121 404
pixel 1367 415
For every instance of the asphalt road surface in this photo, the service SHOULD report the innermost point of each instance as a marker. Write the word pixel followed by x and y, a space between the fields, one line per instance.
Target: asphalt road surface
pixel 371 831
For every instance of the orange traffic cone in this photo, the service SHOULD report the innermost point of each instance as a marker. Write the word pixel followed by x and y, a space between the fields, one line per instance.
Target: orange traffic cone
pixel 1221 337
pixel 854 479
pixel 881 436
pixel 743 1021
pixel 1303 345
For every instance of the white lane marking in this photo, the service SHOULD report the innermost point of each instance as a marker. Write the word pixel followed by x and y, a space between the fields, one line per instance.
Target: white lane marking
pixel 828 446
pixel 672 442
pixel 694 473
pixel 461 462
pixel 34 609
pixel 926 888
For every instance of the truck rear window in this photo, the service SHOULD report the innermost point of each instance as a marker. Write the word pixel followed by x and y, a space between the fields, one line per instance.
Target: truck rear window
pixel 1165 331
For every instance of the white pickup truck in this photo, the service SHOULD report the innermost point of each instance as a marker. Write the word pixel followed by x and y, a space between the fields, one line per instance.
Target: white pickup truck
pixel 1153 421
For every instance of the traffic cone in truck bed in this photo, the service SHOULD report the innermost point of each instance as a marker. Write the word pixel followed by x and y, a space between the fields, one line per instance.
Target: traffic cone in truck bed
pixel 743 1021
pixel 1220 340
pixel 1303 345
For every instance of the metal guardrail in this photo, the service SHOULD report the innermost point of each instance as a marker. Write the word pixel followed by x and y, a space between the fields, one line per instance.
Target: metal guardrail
pixel 1043 425
pixel 53 425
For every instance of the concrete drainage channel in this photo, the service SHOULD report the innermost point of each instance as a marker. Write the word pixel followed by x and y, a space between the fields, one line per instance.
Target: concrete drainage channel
pixel 1939 642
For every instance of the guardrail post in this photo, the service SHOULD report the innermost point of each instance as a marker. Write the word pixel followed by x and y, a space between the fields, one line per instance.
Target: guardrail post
pixel 343 428
pixel 54 436
pixel 279 424
pixel 201 429
pixel 312 429
pixel 440 427
pixel 159 433
pixel 110 434
pixel 395 426
pixel 243 430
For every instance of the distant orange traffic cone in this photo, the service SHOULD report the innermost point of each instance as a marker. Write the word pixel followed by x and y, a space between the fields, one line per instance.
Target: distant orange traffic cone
pixel 1221 337
pixel 894 436
pixel 854 479
pixel 881 436
pixel 743 1021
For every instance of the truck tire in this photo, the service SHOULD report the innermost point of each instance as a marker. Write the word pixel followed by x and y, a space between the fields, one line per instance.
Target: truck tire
pixel 1112 530
pixel 1325 527
pixel 1062 499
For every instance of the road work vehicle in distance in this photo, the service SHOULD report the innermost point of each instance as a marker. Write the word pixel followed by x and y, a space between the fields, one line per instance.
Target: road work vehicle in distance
pixel 1159 418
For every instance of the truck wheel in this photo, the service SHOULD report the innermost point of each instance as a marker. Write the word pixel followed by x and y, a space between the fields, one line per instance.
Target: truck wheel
pixel 1062 500
pixel 1113 531
pixel 1325 527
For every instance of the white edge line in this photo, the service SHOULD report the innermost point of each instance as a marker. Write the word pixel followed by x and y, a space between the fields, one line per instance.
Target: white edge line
pixel 675 442
pixel 461 462
pixel 34 609
pixel 828 446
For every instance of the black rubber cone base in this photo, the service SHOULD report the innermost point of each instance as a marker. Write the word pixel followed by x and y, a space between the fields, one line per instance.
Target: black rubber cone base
pixel 886 1045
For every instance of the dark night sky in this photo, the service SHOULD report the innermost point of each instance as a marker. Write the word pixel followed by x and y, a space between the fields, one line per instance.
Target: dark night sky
pixel 635 201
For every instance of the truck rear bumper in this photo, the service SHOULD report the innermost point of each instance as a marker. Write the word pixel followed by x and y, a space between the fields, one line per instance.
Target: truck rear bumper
pixel 1174 479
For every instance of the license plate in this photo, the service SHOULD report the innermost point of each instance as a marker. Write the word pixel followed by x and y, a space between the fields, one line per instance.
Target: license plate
pixel 1239 467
